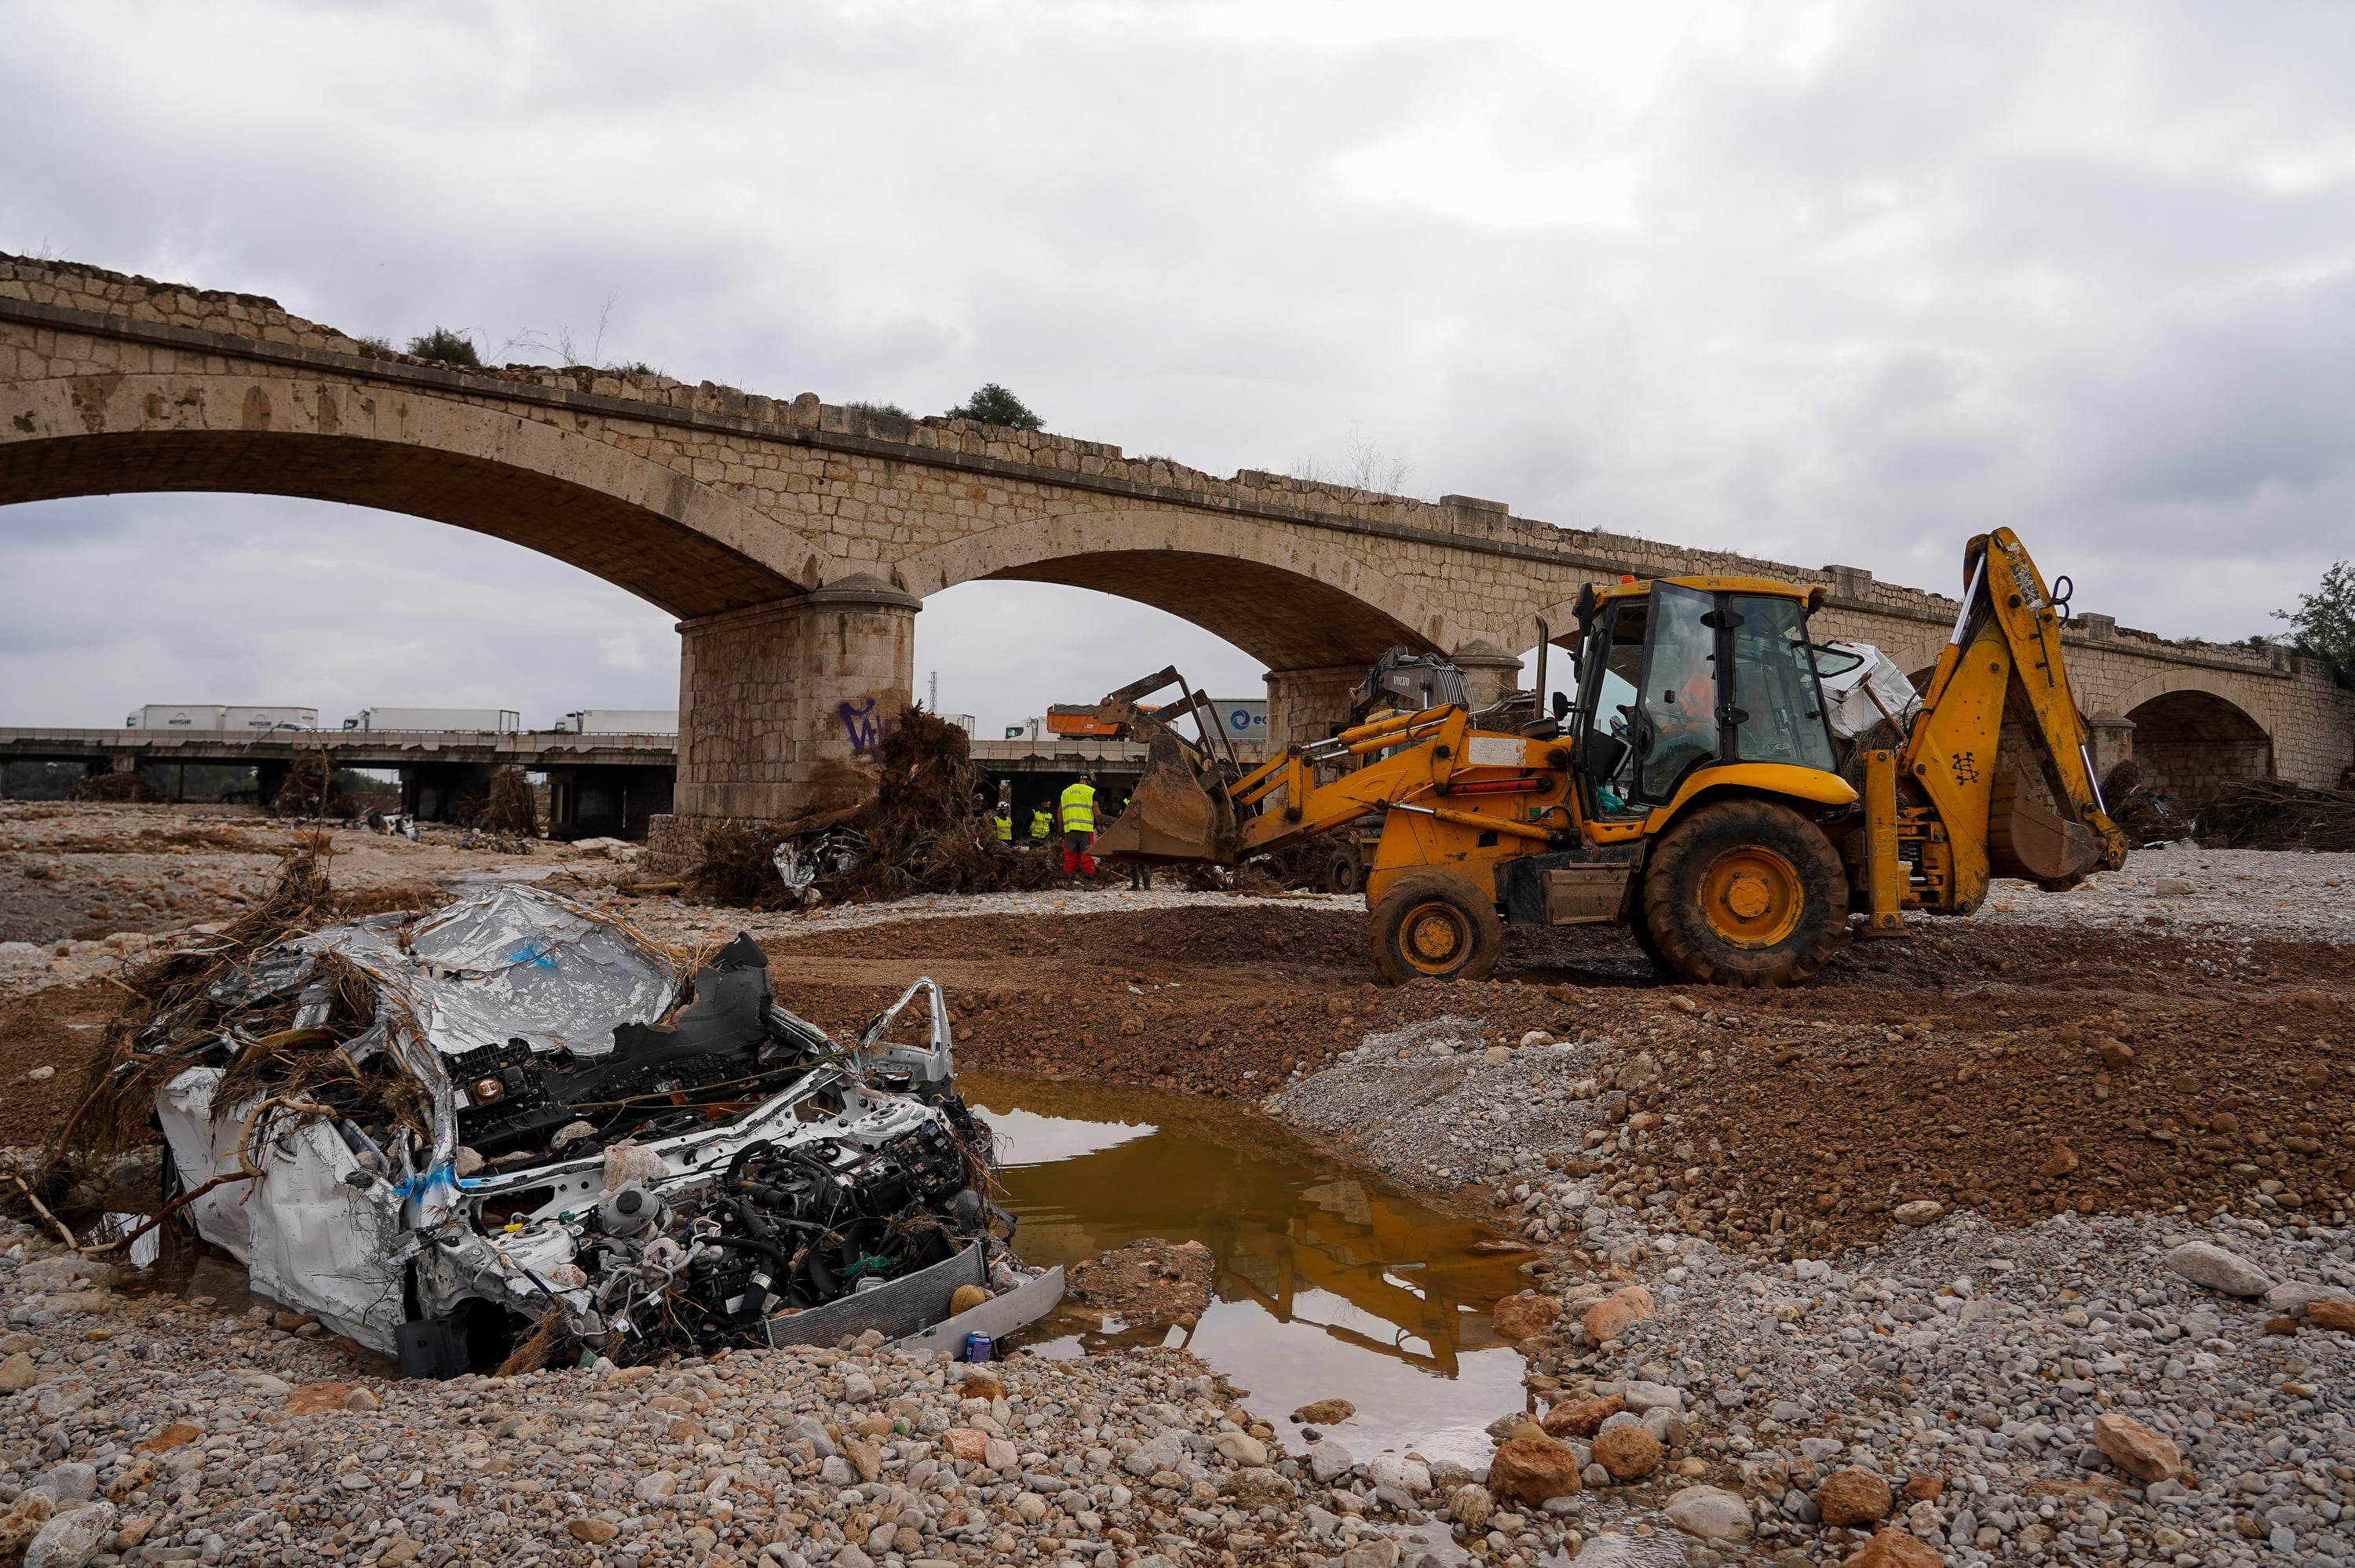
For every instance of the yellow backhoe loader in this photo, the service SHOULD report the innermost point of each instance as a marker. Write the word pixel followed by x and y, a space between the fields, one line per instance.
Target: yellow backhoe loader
pixel 1691 792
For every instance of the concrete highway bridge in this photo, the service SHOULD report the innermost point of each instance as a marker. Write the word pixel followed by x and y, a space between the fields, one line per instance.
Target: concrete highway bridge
pixel 598 784
pixel 796 541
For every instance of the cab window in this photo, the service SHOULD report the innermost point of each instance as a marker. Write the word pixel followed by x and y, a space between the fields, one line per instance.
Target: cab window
pixel 1778 705
pixel 1679 694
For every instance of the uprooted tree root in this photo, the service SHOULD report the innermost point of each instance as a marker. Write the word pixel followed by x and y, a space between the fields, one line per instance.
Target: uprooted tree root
pixel 2275 814
pixel 2132 797
pixel 919 834
pixel 167 1023
pixel 310 789
pixel 510 807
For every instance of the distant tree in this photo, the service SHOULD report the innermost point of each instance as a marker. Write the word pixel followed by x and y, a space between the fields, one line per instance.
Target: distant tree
pixel 2325 620
pixel 447 346
pixel 1367 465
pixel 994 404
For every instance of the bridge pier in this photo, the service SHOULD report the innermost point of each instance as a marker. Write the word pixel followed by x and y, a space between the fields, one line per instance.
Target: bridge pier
pixel 1488 671
pixel 437 791
pixel 780 705
pixel 2110 737
pixel 1310 704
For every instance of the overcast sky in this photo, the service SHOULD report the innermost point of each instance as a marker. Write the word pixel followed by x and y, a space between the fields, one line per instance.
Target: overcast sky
pixel 1822 282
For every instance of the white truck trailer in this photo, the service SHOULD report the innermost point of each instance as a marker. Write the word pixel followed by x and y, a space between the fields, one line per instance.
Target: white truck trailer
pixel 442 721
pixel 621 721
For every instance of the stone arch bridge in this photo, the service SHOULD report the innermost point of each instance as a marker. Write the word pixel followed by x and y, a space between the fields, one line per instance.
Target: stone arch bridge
pixel 796 541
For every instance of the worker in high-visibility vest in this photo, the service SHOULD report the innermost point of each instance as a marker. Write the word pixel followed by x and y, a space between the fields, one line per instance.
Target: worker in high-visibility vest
pixel 1078 806
pixel 1042 826
pixel 1002 820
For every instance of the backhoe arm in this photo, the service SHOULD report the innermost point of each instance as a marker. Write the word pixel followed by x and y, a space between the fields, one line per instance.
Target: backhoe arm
pixel 1983 818
pixel 1308 808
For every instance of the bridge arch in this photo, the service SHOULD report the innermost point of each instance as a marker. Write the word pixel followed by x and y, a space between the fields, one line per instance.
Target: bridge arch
pixel 1290 601
pixel 684 546
pixel 2194 740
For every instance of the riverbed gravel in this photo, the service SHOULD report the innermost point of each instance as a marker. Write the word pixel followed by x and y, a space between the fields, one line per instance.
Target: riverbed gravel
pixel 1861 1285
pixel 2306 895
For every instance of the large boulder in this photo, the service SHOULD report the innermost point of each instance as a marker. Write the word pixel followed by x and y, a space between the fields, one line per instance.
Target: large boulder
pixel 2146 1455
pixel 1853 1497
pixel 1712 1513
pixel 1531 1469
pixel 1257 1487
pixel 1895 1549
pixel 1610 1316
pixel 2205 1263
pixel 70 1540
pixel 2332 1314
pixel 1525 1315
pixel 1582 1417
pixel 1629 1453
pixel 1325 1412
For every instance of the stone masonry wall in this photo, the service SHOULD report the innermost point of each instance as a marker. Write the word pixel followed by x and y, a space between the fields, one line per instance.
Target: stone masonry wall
pixel 819 493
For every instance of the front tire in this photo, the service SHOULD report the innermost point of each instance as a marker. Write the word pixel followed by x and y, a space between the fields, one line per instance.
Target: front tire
pixel 1745 893
pixel 1431 925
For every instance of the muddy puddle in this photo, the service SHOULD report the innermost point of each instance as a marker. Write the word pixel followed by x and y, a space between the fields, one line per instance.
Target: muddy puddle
pixel 1328 1284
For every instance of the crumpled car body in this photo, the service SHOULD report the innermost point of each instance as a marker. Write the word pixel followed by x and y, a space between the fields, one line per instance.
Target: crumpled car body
pixel 583 1153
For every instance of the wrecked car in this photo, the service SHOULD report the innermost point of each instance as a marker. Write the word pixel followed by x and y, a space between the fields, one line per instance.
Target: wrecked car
pixel 515 1129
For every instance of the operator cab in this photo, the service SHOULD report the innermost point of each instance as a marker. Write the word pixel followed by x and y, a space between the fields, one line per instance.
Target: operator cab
pixel 1681 674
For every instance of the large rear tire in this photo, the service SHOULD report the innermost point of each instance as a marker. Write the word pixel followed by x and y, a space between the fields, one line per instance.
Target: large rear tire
pixel 1745 893
pixel 1431 925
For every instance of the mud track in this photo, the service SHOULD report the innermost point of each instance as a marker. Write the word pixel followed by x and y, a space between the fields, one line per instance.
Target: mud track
pixel 1965 1064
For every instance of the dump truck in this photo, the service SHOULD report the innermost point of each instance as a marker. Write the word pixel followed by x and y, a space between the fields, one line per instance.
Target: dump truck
pixel 1690 792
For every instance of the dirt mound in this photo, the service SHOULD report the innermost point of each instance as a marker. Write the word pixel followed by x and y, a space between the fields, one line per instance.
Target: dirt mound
pixel 61 1029
pixel 1149 1281
pixel 1250 936
pixel 1220 1001
pixel 2043 1104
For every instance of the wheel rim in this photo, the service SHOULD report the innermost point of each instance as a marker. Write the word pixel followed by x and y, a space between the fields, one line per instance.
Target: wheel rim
pixel 1752 897
pixel 1435 937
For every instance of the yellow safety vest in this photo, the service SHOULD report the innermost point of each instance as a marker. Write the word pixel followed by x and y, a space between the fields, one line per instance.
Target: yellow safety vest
pixel 1042 822
pixel 1079 808
pixel 1004 821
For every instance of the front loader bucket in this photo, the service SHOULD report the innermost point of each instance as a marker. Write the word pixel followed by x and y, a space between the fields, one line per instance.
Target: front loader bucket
pixel 2028 838
pixel 1171 819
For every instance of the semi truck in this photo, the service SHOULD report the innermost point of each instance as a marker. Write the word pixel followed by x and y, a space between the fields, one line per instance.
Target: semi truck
pixel 445 721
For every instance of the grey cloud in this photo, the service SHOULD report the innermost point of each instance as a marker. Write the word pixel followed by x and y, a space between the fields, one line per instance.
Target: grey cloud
pixel 1924 269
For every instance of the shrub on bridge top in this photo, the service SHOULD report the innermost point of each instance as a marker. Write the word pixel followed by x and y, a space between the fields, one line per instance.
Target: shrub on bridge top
pixel 447 346
pixel 2324 620
pixel 994 404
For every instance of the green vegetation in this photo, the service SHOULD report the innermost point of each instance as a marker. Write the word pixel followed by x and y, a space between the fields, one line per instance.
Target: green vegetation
pixel 2324 621
pixel 382 345
pixel 893 409
pixel 446 347
pixel 994 404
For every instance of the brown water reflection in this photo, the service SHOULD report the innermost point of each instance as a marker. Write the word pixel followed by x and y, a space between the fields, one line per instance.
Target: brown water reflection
pixel 1328 1282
